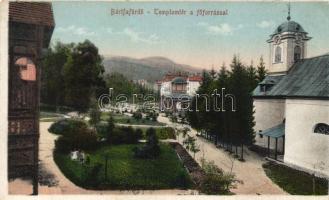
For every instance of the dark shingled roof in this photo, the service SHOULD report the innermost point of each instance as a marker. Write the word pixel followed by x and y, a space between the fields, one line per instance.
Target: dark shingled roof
pixel 289 26
pixel 31 13
pixel 306 78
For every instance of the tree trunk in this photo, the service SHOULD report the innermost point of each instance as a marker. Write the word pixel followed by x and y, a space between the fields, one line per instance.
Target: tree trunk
pixel 313 181
pixel 242 152
pixel 216 140
pixel 105 174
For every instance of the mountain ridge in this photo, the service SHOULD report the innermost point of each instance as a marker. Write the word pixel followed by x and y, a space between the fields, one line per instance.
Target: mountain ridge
pixel 149 68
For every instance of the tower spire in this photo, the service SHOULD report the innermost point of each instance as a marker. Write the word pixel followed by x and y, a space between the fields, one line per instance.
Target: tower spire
pixel 288 18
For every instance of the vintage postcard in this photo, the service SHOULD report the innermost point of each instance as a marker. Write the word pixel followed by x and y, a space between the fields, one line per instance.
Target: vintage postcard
pixel 212 99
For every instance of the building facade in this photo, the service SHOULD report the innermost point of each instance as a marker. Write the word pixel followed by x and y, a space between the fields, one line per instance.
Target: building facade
pixel 292 102
pixel 176 90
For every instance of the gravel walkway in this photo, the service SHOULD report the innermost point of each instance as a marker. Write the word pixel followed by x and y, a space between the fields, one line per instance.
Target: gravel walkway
pixel 249 172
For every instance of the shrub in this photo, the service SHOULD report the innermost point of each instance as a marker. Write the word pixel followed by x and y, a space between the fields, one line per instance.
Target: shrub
pixel 137 115
pixel 93 176
pixel 151 149
pixel 152 116
pixel 216 181
pixel 101 129
pixel 125 135
pixel 67 127
pixel 84 139
pixel 63 145
pixel 139 133
pixel 166 133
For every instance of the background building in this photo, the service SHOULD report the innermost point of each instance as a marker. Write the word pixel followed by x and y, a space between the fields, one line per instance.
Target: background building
pixel 177 85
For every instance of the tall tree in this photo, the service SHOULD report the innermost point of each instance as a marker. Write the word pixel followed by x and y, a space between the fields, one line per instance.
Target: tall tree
pixel 82 73
pixel 221 117
pixel 252 75
pixel 52 79
pixel 95 114
pixel 261 70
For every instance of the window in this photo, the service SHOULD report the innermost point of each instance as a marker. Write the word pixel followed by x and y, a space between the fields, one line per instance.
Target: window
pixel 321 128
pixel 27 69
pixel 277 54
pixel 297 53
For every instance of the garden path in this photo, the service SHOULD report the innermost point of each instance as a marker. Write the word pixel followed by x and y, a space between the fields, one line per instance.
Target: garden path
pixel 250 172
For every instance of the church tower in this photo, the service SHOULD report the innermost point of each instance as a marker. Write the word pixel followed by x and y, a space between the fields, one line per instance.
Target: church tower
pixel 287 46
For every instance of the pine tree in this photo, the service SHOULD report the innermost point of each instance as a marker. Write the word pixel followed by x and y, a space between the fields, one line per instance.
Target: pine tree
pixel 221 117
pixel 212 73
pixel 252 75
pixel 242 127
pixel 261 70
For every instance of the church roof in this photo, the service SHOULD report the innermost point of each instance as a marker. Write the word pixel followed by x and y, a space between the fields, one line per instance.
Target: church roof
pixel 307 78
pixel 289 26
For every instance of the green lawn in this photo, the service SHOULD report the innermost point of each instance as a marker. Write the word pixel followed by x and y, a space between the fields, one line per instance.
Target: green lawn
pixel 294 181
pixel 125 119
pixel 50 116
pixel 161 132
pixel 126 172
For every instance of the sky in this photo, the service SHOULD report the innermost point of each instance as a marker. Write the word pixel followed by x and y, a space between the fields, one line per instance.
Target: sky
pixel 200 41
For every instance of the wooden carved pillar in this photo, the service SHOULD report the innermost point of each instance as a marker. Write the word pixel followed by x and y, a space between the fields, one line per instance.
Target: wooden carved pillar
pixel 30 29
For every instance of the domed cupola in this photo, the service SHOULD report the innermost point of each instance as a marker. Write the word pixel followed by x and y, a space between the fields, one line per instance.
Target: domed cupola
pixel 287 46
pixel 289 26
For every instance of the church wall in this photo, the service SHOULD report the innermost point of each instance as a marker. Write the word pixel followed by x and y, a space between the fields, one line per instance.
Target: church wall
pixel 268 113
pixel 304 148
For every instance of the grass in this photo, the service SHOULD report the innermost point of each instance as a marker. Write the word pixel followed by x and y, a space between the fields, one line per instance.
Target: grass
pixel 294 181
pixel 125 171
pixel 125 119
pixel 50 116
pixel 161 132
pixel 53 119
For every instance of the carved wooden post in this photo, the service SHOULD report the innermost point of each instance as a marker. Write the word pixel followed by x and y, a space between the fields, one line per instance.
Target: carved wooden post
pixel 30 29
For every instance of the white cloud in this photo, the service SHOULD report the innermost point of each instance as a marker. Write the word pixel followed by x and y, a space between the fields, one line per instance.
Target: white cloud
pixel 76 30
pixel 109 30
pixel 140 37
pixel 265 24
pixel 221 29
pixel 202 24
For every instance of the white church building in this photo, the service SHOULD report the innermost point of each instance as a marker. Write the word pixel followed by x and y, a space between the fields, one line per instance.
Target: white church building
pixel 292 102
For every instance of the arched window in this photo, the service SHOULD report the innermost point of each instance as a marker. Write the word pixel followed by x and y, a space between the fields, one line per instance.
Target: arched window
pixel 27 69
pixel 297 53
pixel 321 128
pixel 277 54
